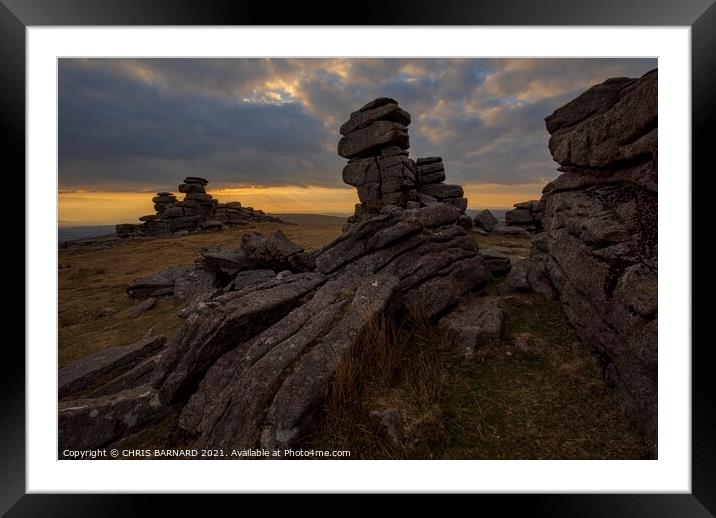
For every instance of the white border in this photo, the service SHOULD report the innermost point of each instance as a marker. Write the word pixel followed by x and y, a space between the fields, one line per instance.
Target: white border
pixel 671 472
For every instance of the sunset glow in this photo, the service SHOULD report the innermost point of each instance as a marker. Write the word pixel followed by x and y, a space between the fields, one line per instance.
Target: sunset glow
pixel 107 208
pixel 264 131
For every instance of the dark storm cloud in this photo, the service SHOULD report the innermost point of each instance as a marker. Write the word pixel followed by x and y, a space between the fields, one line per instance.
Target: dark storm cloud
pixel 128 124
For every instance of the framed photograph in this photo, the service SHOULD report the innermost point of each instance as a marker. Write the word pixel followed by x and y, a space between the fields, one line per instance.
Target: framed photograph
pixel 422 252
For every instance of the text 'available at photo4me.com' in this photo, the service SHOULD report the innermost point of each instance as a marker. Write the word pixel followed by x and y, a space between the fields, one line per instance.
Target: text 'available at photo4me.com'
pixel 193 453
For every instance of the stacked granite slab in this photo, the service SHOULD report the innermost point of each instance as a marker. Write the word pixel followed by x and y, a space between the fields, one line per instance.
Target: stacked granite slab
pixel 375 141
pixel 431 177
pixel 162 201
pixel 197 202
pixel 197 211
pixel 527 214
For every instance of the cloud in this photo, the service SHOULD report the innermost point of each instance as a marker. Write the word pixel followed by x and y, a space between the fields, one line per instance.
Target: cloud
pixel 129 124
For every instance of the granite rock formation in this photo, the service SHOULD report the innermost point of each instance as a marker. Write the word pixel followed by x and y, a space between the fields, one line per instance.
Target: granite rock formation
pixel 197 211
pixel 527 214
pixel 375 141
pixel 260 346
pixel 597 252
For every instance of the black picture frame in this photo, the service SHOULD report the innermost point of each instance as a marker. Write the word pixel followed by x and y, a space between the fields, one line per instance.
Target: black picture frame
pixel 17 15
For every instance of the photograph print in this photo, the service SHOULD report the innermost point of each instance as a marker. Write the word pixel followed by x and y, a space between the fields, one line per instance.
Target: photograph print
pixel 372 258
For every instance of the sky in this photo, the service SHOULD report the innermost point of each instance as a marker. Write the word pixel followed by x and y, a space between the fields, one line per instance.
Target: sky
pixel 265 131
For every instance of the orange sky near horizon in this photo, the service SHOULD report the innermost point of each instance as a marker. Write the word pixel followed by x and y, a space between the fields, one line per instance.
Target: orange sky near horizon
pixel 108 208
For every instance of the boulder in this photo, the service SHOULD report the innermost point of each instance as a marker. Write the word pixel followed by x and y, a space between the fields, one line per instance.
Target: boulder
pixel 161 283
pixel 368 140
pixel 198 196
pixel 385 112
pixel 442 190
pixel 485 220
pixel 459 203
pixel 191 188
pixel 196 180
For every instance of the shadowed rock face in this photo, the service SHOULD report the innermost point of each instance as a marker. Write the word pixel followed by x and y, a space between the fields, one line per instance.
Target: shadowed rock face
pixel 598 248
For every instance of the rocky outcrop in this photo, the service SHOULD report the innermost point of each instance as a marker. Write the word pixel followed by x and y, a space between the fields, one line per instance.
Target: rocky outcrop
pixel 486 220
pixel 258 350
pixel 527 214
pixel 375 140
pixel 598 249
pixel 197 211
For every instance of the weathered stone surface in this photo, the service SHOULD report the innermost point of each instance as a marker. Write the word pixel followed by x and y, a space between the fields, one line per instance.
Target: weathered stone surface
pixel 164 199
pixel 361 171
pixel 196 179
pixel 426 200
pixel 173 212
pixel 528 275
pixel 385 112
pixel 435 267
pixel 225 261
pixel 442 190
pixel 211 224
pixel 459 203
pixel 495 261
pixel 93 423
pixel 367 140
pixel 210 332
pixel 518 216
pixel 465 222
pixel 198 196
pixel 428 160
pixel 526 214
pixel 269 252
pixel 474 321
pixel 161 283
pixel 485 220
pixel 615 122
pixel 429 178
pixel 107 362
pixel 285 369
pixel 135 377
pixel 598 248
pixel 149 217
pixel 191 188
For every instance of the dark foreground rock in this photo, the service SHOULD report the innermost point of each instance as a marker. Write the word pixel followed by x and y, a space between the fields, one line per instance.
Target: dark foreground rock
pixel 598 249
pixel 102 364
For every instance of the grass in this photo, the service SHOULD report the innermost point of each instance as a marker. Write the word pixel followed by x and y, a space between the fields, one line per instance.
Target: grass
pixel 547 401
pixel 93 303
pixel 520 244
